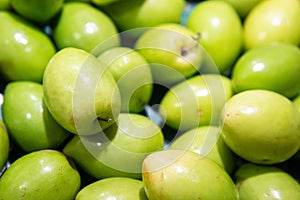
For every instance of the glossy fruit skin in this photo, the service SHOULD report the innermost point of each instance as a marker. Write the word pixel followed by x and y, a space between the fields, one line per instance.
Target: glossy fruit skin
pixel 80 93
pixel 27 118
pixel 25 50
pixel 171 49
pixel 265 182
pixel 85 27
pixel 141 14
pixel 4 144
pixel 221 31
pixel 113 188
pixel 124 145
pixel 273 21
pixel 133 76
pixel 166 172
pixel 243 7
pixel 36 10
pixel 44 174
pixel 196 101
pixel 261 126
pixel 196 140
pixel 257 68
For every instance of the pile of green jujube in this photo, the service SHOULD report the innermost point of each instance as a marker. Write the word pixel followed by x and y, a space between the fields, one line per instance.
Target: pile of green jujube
pixel 150 99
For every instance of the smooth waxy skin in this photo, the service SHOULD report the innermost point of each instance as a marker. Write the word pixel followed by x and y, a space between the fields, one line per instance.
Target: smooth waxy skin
pixel 140 14
pixel 25 50
pixel 36 10
pixel 4 144
pixel 27 118
pixel 257 182
pixel 124 145
pixel 261 126
pixel 243 7
pixel 205 141
pixel 221 31
pixel 167 175
pixel 44 174
pixel 170 49
pixel 133 75
pixel 113 188
pixel 257 69
pixel 83 26
pixel 80 93
pixel 273 21
pixel 196 101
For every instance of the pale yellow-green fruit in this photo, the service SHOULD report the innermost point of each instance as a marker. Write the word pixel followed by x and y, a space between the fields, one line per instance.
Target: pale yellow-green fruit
pixel 261 126
pixel 272 21
pixel 180 174
pixel 44 174
pixel 196 101
pixel 133 76
pixel 206 141
pixel 80 93
pixel 119 150
pixel 113 188
pixel 260 182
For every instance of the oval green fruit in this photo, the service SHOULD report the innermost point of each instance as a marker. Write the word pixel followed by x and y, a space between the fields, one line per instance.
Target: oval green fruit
pixel 80 93
pixel 273 21
pixel 113 188
pixel 25 50
pixel 141 14
pixel 206 141
pixel 36 10
pixel 83 26
pixel 44 174
pixel 195 101
pixel 257 69
pixel 180 174
pixel 133 76
pixel 173 52
pixel 261 126
pixel 119 150
pixel 4 144
pixel 221 31
pixel 29 122
pixel 258 182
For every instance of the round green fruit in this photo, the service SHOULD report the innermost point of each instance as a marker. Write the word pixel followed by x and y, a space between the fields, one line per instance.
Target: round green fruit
pixel 265 183
pixel 261 126
pixel 4 144
pixel 44 174
pixel 170 49
pixel 83 26
pixel 257 69
pixel 133 76
pixel 221 31
pixel 180 174
pixel 28 121
pixel 196 101
pixel 243 7
pixel 113 188
pixel 119 150
pixel 5 5
pixel 206 141
pixel 80 93
pixel 141 14
pixel 273 21
pixel 36 10
pixel 25 50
